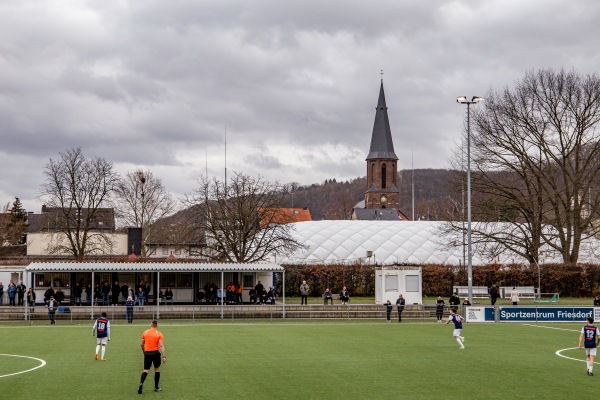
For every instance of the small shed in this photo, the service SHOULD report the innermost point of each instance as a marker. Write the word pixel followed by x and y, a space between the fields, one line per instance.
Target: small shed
pixel 392 281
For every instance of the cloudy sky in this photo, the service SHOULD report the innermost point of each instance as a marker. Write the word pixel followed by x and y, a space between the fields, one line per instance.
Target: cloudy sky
pixel 294 84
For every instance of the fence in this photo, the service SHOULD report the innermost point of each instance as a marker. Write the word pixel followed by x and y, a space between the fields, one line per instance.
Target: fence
pixel 200 313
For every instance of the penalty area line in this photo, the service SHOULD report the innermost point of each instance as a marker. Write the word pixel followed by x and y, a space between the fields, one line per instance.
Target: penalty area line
pixel 42 363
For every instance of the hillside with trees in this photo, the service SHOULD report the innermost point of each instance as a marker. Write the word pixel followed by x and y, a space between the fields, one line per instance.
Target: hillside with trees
pixel 435 198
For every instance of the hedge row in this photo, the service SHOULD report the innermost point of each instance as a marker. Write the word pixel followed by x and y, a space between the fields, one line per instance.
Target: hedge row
pixel 582 280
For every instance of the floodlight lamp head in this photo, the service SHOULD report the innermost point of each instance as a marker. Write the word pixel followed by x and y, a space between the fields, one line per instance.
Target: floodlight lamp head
pixel 461 99
pixel 477 99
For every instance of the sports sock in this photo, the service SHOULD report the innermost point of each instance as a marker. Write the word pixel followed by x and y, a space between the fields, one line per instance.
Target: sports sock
pixel 156 379
pixel 590 366
pixel 144 375
pixel 103 351
pixel 459 341
pixel 97 348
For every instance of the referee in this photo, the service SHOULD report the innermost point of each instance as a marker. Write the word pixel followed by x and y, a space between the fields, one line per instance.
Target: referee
pixel 154 353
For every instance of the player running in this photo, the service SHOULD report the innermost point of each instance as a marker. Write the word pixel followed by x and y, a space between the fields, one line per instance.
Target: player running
pixel 592 336
pixel 458 320
pixel 102 330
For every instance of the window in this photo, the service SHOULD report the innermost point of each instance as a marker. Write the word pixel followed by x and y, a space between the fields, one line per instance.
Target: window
pixel 412 283
pixel 181 280
pixel 102 277
pixel 383 176
pixel 248 281
pixel 165 251
pixel 391 283
pixel 54 279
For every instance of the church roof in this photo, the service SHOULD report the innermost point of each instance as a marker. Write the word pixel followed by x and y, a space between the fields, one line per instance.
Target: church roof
pixel 382 145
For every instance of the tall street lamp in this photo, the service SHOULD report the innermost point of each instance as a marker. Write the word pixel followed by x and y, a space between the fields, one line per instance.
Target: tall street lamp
pixel 142 179
pixel 474 100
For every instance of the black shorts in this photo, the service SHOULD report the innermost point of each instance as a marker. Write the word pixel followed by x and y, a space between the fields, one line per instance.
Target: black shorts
pixel 152 357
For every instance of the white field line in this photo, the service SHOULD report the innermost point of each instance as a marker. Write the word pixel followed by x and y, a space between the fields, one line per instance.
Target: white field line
pixel 559 352
pixel 42 363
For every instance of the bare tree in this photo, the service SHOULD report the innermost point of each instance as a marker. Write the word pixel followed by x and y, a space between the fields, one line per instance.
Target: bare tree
pixel 341 208
pixel 76 189
pixel 536 157
pixel 242 220
pixel 141 201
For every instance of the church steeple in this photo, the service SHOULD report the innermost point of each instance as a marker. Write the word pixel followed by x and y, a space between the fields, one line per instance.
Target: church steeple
pixel 382 170
pixel 382 145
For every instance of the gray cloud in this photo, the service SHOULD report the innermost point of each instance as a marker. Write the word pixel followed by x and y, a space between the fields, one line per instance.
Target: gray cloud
pixel 153 84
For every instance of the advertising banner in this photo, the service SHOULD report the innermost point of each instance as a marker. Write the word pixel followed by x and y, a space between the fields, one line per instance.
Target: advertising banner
pixel 479 314
pixel 545 314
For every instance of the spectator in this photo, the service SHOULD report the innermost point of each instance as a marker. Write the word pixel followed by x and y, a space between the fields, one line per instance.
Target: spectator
pixel 169 296
pixel 130 293
pixel 12 293
pixel 77 291
pixel 49 293
pixel 59 296
pixel 253 296
pixel 388 311
pixel 259 291
pixel 105 294
pixel 124 293
pixel 97 294
pixel 400 302
pixel 1 294
pixel 129 303
pixel 21 290
pixel 597 301
pixel 327 296
pixel 454 299
pixel 230 293
pixel 304 289
pixel 466 302
pixel 344 296
pixel 88 294
pixel 161 297
pixel 439 309
pixel 116 289
pixel 146 288
pixel 31 300
pixel 52 310
pixel 271 295
pixel 200 296
pixel 239 290
pixel 514 296
pixel 263 297
pixel 493 294
pixel 141 296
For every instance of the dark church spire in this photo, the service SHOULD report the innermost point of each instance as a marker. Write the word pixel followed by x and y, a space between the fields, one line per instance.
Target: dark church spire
pixel 381 139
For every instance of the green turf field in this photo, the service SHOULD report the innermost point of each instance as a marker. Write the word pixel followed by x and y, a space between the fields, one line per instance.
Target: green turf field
pixel 298 360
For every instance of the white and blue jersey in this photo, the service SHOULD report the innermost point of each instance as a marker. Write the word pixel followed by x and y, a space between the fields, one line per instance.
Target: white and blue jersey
pixel 590 334
pixel 102 328
pixel 457 319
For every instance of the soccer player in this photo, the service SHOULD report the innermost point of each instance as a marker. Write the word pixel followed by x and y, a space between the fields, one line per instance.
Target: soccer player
pixel 458 320
pixel 102 331
pixel 153 348
pixel 592 336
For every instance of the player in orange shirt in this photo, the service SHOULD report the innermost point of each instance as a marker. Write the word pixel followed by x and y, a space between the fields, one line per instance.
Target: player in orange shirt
pixel 153 348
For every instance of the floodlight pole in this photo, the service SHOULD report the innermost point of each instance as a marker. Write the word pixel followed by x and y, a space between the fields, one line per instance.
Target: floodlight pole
pixel 474 100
